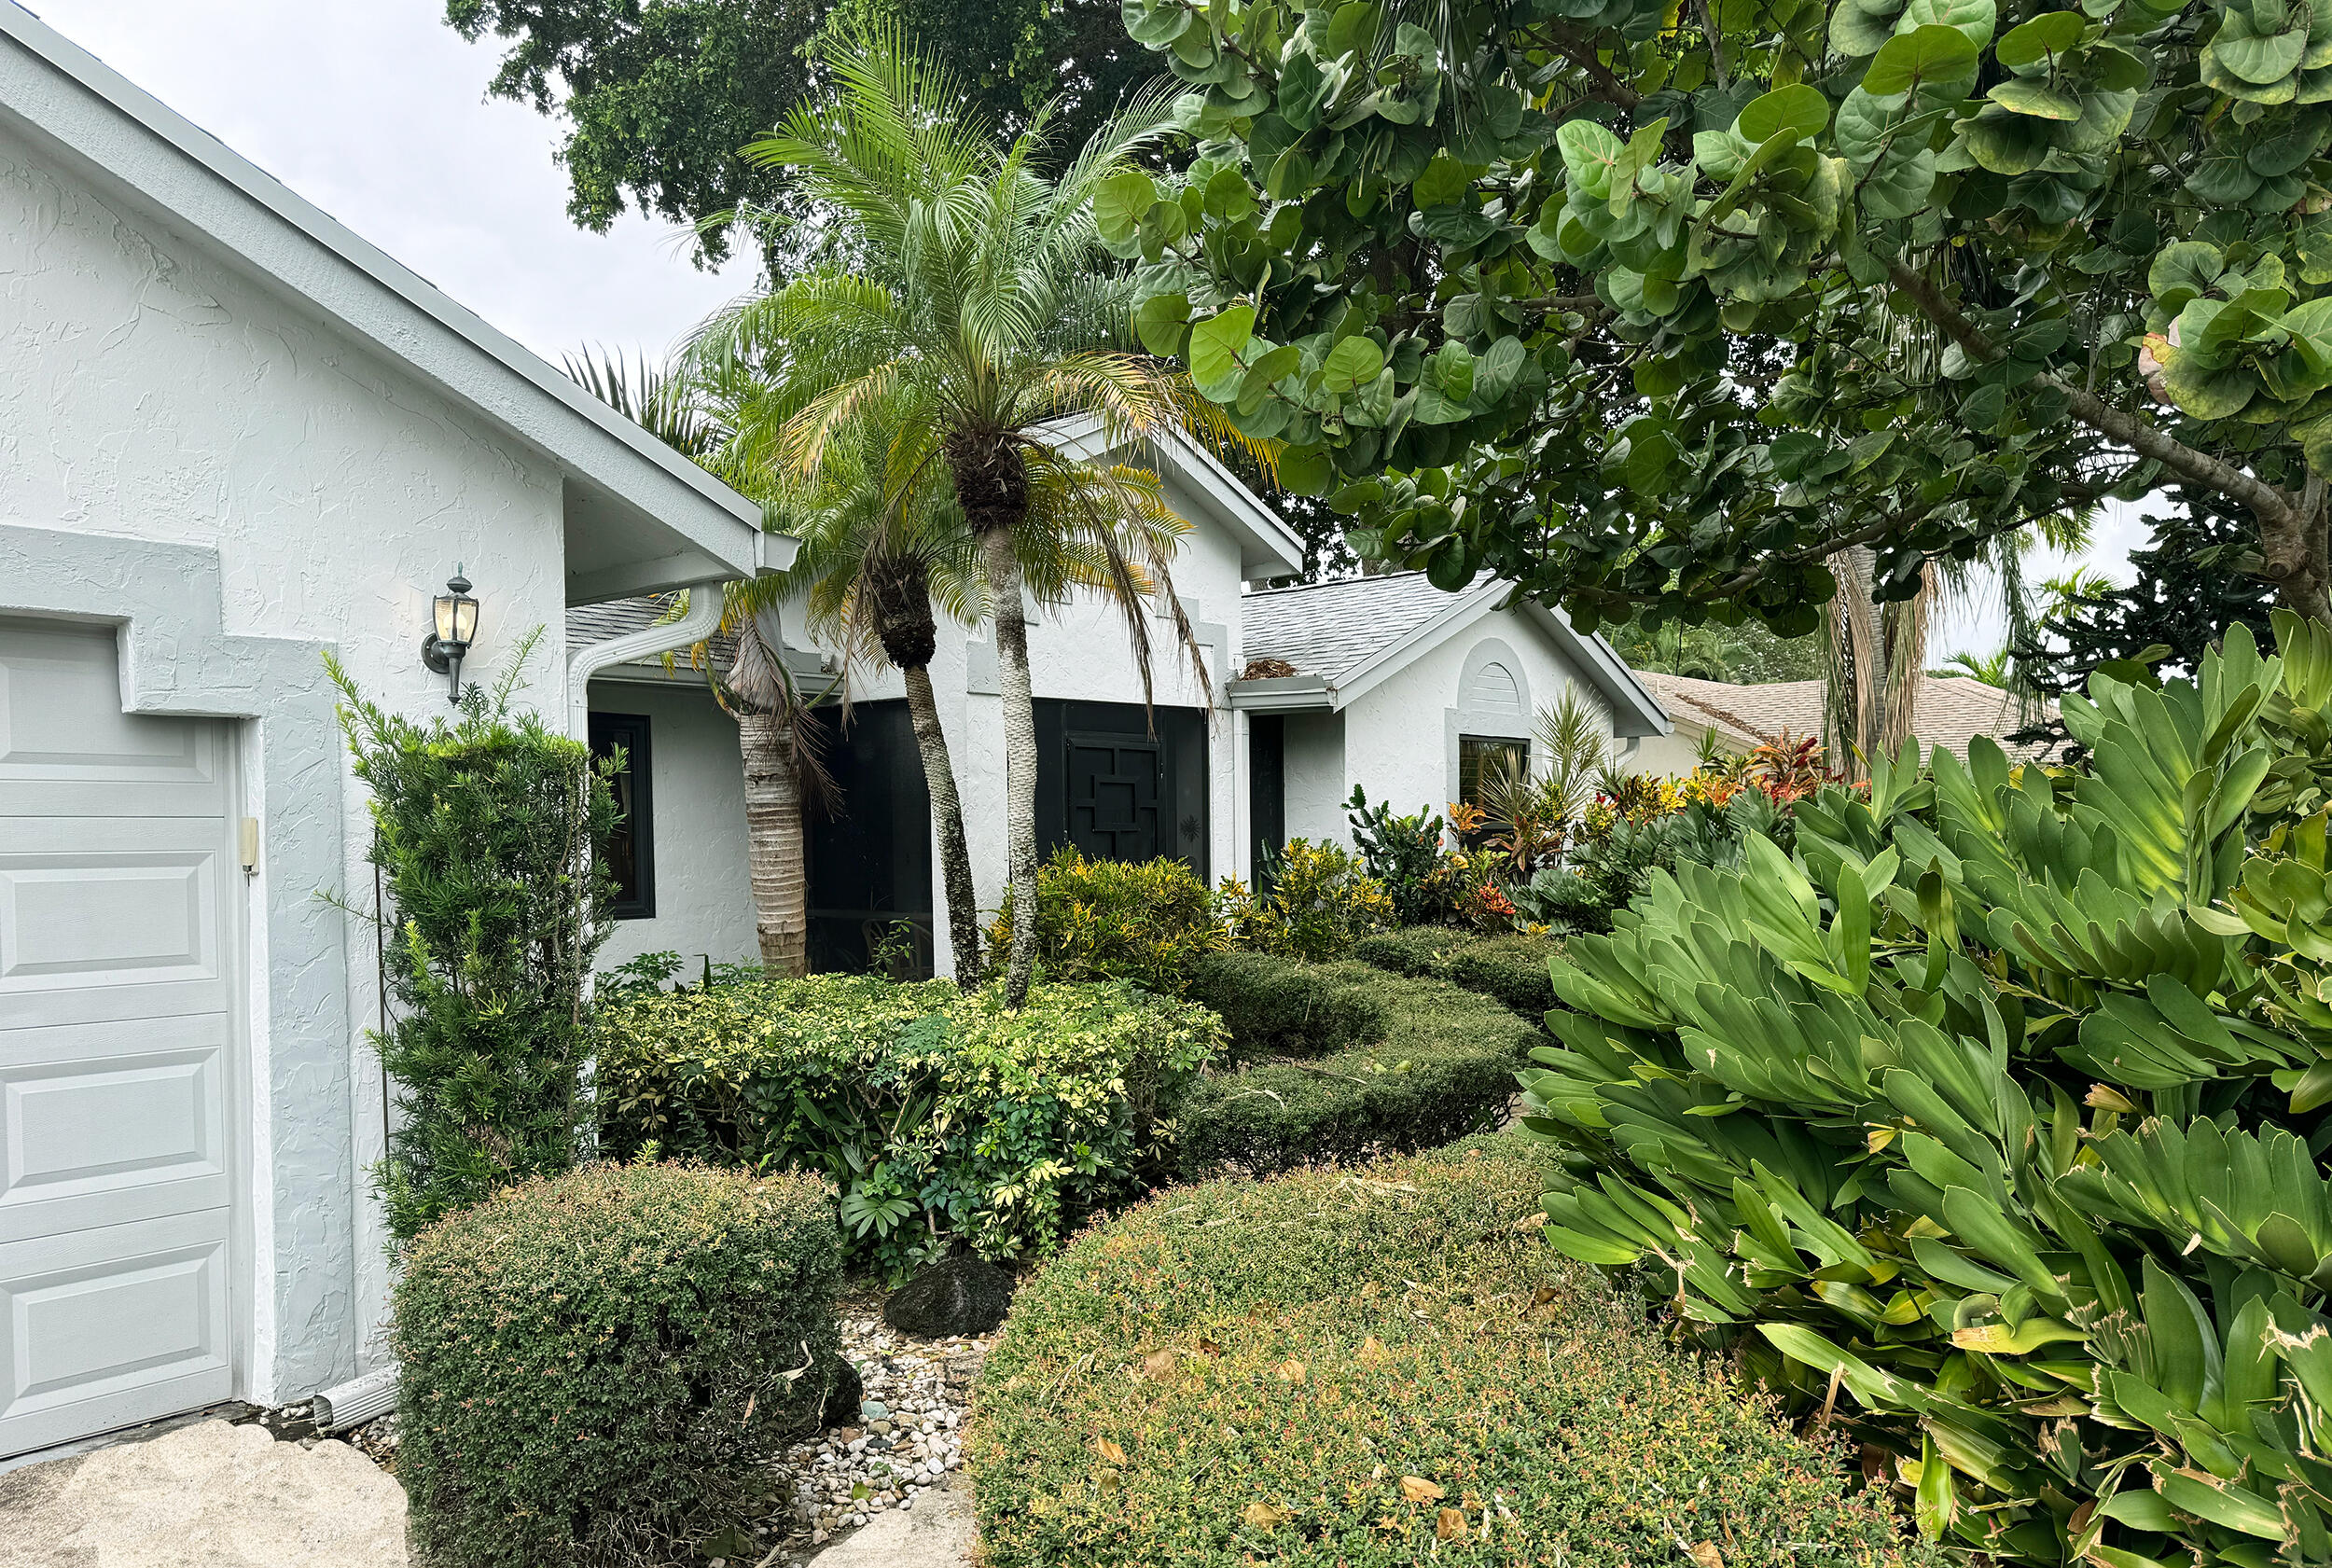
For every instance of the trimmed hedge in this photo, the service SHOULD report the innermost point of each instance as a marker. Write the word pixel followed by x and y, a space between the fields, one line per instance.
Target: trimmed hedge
pixel 1511 968
pixel 938 1115
pixel 594 1368
pixel 1389 1062
pixel 1368 1368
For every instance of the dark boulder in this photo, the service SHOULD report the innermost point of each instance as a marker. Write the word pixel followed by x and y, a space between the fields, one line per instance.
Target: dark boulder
pixel 953 1296
pixel 842 1396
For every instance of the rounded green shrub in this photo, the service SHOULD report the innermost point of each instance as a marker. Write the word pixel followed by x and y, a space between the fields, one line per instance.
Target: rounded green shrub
pixel 1363 1368
pixel 1371 1062
pixel 1512 969
pixel 595 1368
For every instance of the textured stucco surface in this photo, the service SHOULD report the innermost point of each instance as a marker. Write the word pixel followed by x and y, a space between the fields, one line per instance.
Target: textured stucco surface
pixel 211 464
pixel 697 796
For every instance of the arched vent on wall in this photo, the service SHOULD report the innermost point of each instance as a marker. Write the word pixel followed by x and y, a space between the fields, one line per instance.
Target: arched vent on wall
pixel 1494 691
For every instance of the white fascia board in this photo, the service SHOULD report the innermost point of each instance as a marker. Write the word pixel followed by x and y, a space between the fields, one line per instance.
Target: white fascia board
pixel 1282 694
pixel 1267 546
pixel 88 116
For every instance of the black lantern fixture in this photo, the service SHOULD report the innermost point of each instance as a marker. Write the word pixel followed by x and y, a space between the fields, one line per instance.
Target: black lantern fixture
pixel 455 629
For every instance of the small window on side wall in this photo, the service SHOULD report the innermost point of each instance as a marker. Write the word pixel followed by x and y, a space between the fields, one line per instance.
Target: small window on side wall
pixel 631 848
pixel 1482 758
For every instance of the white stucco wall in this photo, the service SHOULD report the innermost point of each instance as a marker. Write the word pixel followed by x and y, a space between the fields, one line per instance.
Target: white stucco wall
pixel 1668 755
pixel 149 397
pixel 697 800
pixel 1401 736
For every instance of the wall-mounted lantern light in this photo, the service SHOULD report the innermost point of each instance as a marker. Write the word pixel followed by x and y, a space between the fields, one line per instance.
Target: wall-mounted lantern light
pixel 455 629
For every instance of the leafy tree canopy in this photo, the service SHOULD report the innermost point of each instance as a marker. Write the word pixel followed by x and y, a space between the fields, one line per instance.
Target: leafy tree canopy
pixel 2188 592
pixel 661 96
pixel 1652 304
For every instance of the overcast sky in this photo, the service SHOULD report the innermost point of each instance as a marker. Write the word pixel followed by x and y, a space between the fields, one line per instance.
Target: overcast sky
pixel 375 110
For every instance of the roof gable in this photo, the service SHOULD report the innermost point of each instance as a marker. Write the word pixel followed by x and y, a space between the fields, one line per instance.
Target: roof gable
pixel 1268 548
pixel 1345 636
pixel 639 501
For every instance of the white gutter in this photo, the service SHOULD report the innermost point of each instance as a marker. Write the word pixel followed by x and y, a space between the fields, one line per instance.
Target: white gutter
pixel 703 619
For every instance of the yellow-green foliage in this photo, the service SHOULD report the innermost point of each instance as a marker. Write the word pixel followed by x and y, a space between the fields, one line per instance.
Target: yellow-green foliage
pixel 1320 903
pixel 594 1368
pixel 1366 1369
pixel 938 1115
pixel 1140 921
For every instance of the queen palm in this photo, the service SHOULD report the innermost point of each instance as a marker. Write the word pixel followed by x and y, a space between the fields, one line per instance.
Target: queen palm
pixel 988 323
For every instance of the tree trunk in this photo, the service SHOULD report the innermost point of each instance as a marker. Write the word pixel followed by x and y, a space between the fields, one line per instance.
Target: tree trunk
pixel 773 846
pixel 946 820
pixel 2294 549
pixel 1001 570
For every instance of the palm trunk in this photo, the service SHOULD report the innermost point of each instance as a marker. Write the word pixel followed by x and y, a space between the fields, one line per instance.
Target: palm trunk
pixel 773 844
pixel 947 819
pixel 1001 570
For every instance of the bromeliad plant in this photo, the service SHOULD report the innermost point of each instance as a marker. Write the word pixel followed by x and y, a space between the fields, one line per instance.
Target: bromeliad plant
pixel 1986 1119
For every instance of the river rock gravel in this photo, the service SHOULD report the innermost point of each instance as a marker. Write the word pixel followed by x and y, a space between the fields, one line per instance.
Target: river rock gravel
pixel 904 1445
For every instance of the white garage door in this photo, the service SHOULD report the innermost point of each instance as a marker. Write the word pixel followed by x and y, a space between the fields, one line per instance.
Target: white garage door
pixel 118 999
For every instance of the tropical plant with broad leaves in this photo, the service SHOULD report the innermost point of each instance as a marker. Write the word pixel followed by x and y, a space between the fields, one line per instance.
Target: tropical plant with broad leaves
pixel 985 323
pixel 1986 1120
pixel 1669 305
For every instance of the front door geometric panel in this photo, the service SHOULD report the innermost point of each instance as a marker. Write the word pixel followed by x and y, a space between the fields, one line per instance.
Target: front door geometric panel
pixel 119 998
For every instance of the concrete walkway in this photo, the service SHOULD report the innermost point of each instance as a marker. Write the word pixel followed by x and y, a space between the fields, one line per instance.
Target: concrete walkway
pixel 210 1495
pixel 935 1534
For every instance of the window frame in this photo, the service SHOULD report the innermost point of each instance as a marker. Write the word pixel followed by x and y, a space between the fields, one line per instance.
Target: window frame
pixel 1487 746
pixel 634 732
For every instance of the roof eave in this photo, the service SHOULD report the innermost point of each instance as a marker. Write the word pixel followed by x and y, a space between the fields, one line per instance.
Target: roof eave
pixel 88 116
pixel 1267 546
pixel 1284 694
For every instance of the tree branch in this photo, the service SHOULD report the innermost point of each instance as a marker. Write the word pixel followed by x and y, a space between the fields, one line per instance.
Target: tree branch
pixel 2274 508
pixel 1610 88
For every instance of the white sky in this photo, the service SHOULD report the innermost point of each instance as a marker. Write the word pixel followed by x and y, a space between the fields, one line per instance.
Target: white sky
pixel 375 110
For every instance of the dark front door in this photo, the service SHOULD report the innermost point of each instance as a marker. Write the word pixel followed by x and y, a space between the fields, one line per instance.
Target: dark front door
pixel 1114 797
pixel 869 858
pixel 1117 783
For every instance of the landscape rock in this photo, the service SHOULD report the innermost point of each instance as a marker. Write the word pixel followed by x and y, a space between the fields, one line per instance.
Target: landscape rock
pixel 207 1495
pixel 955 1295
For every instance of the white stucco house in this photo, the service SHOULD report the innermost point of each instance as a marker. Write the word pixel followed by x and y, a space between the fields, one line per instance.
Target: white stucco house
pixel 1399 688
pixel 234 436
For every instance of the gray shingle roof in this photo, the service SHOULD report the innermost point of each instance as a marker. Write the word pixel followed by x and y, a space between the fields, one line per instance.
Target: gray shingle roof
pixel 1331 628
pixel 1951 710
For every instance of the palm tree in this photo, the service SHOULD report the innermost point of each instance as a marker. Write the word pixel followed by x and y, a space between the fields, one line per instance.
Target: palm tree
pixel 987 323
pixel 1993 669
pixel 781 742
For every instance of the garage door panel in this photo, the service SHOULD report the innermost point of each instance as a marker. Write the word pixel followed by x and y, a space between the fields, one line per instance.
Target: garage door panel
pixel 119 994
pixel 108 1123
pixel 95 1328
pixel 66 748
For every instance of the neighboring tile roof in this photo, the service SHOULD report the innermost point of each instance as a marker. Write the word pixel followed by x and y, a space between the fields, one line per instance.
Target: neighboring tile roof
pixel 1331 628
pixel 1952 709
pixel 596 623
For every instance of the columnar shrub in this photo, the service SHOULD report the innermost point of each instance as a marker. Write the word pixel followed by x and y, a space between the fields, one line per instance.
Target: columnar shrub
pixel 1988 1120
pixel 941 1116
pixel 1363 1369
pixel 486 829
pixel 594 1369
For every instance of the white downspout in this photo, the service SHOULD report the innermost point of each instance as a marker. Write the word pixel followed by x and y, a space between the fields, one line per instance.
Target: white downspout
pixel 703 619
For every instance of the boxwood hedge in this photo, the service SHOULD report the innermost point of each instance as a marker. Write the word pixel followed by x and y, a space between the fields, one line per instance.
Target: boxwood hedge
pixel 1511 968
pixel 1361 1060
pixel 595 1368
pixel 1363 1369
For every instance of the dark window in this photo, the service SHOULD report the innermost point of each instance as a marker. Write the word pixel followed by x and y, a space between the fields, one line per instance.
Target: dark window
pixel 869 858
pixel 631 849
pixel 1482 758
pixel 1266 790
